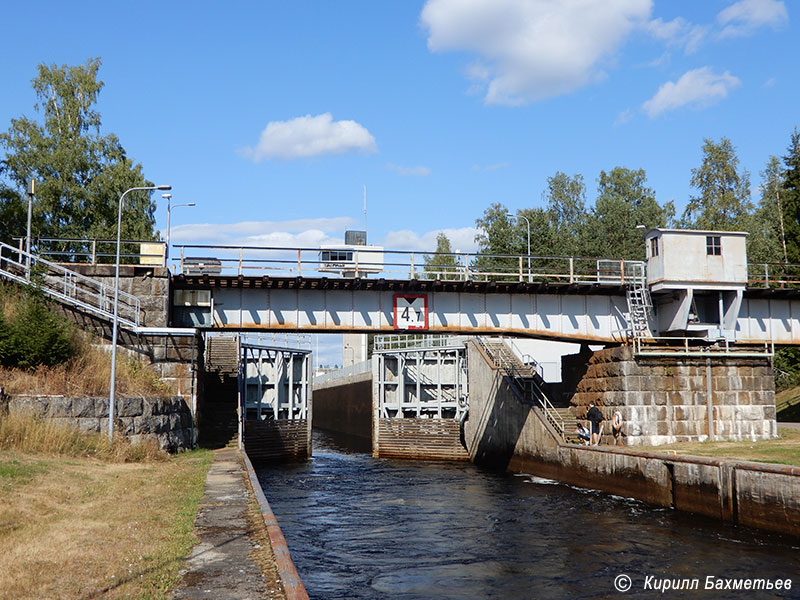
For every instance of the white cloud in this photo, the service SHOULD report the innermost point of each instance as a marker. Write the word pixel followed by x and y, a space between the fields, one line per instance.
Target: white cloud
pixel 308 136
pixel 744 17
pixel 697 88
pixel 461 239
pixel 535 49
pixel 624 117
pixel 307 233
pixel 678 32
pixel 409 171
pixel 487 168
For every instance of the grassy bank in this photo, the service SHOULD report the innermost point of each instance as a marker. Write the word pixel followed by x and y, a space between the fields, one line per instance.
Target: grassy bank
pixel 787 403
pixel 784 450
pixel 73 525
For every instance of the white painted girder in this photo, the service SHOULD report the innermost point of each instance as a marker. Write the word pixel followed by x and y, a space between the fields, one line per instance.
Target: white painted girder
pixel 585 317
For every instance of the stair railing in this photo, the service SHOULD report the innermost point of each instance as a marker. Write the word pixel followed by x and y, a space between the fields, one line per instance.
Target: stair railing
pixel 518 381
pixel 69 287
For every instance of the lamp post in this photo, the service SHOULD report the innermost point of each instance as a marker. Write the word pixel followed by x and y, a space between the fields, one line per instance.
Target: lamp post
pixel 168 198
pixel 31 194
pixel 528 224
pixel 113 383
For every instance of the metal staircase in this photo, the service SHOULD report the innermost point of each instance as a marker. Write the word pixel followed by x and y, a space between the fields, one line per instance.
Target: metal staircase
pixel 68 287
pixel 640 304
pixel 524 379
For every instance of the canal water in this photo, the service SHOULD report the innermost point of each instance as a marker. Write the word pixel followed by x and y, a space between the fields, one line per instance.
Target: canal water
pixel 358 527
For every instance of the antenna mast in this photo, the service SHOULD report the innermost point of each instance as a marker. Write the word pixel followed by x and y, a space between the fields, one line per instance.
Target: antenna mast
pixel 365 208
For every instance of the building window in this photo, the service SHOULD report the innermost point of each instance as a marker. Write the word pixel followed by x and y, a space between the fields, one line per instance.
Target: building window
pixel 337 256
pixel 653 247
pixel 713 245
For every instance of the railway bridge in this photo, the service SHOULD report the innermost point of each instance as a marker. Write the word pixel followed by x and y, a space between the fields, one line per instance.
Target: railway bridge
pixel 695 303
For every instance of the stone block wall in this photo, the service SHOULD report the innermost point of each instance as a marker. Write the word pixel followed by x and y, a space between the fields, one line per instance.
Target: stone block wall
pixel 167 421
pixel 148 283
pixel 664 400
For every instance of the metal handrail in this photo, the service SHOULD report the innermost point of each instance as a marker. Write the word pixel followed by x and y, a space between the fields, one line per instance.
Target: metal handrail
pixel 91 249
pixel 68 286
pixel 515 376
pixel 304 261
pixel 688 346
pixel 416 341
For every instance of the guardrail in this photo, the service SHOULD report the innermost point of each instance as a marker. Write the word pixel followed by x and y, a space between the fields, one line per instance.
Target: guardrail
pixel 355 369
pixel 402 264
pixel 412 341
pixel 685 346
pixel 97 251
pixel 68 286
pixel 773 275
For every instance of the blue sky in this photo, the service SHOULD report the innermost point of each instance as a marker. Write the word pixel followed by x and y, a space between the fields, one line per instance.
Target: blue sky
pixel 272 116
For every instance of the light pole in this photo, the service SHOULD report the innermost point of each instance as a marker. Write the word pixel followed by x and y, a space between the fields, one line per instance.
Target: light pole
pixel 168 198
pixel 528 224
pixel 113 383
pixel 31 194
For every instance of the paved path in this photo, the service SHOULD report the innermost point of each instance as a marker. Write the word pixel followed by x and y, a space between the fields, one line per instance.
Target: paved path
pixel 220 566
pixel 789 425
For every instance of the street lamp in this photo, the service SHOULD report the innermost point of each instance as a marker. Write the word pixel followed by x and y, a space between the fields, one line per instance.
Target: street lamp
pixel 528 224
pixel 168 198
pixel 113 384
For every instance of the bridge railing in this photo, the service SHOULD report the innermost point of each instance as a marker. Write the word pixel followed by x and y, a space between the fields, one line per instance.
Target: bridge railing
pixel 96 251
pixel 685 346
pixel 773 275
pixel 401 264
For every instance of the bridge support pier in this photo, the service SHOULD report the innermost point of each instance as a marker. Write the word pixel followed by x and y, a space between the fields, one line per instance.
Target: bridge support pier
pixel 665 400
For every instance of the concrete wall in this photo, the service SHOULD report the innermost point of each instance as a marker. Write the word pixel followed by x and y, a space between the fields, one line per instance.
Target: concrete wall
pixel 665 400
pixel 503 433
pixel 167 421
pixel 344 405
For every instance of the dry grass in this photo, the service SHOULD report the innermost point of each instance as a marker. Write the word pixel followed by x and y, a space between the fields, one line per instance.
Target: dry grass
pixel 86 374
pixel 31 434
pixel 783 450
pixel 85 528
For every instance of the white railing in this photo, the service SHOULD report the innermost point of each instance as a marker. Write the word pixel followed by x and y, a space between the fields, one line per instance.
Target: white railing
pixel 416 341
pixel 97 251
pixel 68 286
pixel 400 264
pixel 349 371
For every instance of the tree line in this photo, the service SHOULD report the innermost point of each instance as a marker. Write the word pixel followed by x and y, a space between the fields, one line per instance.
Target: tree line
pixel 568 226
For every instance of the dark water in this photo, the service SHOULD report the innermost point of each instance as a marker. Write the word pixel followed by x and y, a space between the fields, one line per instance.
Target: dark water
pixel 364 528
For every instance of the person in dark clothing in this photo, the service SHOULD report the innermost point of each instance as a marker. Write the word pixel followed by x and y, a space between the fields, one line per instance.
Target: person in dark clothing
pixel 595 417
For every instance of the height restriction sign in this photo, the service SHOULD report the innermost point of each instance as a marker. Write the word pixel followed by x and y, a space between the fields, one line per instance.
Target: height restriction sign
pixel 410 311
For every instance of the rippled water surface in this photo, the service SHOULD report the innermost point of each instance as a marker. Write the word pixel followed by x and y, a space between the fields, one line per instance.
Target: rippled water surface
pixel 358 527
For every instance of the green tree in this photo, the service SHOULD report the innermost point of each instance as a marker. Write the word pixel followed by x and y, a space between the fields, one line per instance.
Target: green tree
pixel 496 236
pixel 623 202
pixel 566 209
pixel 442 264
pixel 791 198
pixel 80 173
pixel 767 239
pixel 723 202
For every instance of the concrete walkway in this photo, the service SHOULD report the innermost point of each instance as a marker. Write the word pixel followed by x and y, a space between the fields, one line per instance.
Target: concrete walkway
pixel 221 566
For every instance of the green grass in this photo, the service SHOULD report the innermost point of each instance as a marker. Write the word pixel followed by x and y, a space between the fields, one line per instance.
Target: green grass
pixel 784 450
pixel 787 403
pixel 13 472
pixel 162 569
